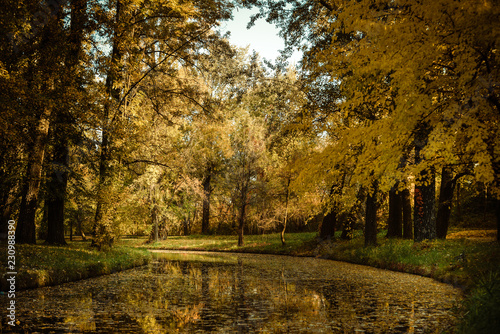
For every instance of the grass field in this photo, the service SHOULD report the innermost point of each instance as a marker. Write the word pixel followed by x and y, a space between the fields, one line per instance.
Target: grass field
pixel 296 243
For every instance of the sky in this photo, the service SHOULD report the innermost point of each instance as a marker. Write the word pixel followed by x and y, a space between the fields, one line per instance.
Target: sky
pixel 262 37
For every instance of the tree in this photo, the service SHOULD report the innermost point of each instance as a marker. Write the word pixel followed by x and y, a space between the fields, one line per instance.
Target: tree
pixel 206 152
pixel 41 83
pixel 167 35
pixel 428 68
pixel 246 163
pixel 222 81
pixel 281 97
pixel 448 183
pixel 62 125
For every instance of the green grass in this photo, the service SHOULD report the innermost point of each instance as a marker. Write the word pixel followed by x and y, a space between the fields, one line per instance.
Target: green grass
pixel 457 262
pixel 42 265
pixel 296 243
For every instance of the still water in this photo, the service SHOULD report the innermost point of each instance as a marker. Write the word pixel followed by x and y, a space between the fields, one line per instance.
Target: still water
pixel 236 293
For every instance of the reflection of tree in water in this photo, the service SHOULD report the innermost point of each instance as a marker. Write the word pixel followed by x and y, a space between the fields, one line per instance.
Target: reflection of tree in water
pixel 241 308
pixel 235 296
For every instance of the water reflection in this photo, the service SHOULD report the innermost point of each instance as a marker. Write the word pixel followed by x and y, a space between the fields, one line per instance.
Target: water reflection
pixel 223 293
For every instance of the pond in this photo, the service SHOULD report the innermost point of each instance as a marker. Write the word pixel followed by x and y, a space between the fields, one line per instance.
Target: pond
pixel 239 293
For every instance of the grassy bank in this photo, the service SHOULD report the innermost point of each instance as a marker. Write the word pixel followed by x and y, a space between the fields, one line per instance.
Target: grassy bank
pixel 41 265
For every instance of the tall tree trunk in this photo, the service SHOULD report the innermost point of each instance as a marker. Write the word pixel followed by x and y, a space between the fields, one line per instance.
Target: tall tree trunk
pixel 99 230
pixel 26 230
pixel 205 220
pixel 424 211
pixel 395 220
pixel 101 233
pixel 424 216
pixel 407 218
pixel 47 67
pixel 371 217
pixel 155 234
pixel 60 161
pixel 185 225
pixel 57 195
pixel 444 202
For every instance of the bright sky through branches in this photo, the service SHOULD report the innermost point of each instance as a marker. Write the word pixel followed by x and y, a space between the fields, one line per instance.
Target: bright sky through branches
pixel 262 37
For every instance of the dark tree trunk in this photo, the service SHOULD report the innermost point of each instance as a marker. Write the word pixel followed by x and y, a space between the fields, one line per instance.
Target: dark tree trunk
pixel 60 162
pixel 46 67
pixel 444 202
pixel 395 220
pixel 155 224
pixel 241 222
pixel 185 226
pixel 371 217
pixel 205 220
pixel 424 215
pixel 57 192
pixel 160 228
pixel 328 225
pixel 424 211
pixel 347 228
pixel 496 198
pixel 407 218
pixel 79 221
pixel 458 205
pixel 26 230
pixel 98 229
